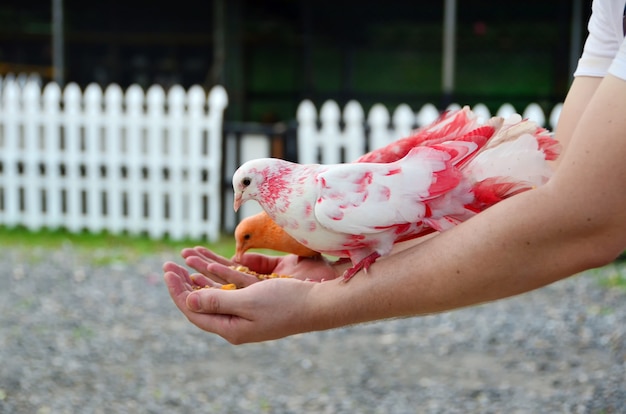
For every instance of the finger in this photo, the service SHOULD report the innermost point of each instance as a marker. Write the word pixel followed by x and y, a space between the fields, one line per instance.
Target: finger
pixel 203 281
pixel 224 325
pixel 215 302
pixel 200 265
pixel 260 262
pixel 208 254
pixel 178 270
pixel 178 289
pixel 221 312
pixel 194 252
pixel 229 275
pixel 197 263
pixel 188 252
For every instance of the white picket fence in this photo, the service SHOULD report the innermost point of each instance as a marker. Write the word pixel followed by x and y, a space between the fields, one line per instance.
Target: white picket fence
pixel 329 143
pixel 150 162
pixel 130 162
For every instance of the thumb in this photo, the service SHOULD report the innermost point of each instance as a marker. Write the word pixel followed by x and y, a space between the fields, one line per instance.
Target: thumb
pixel 212 301
pixel 218 311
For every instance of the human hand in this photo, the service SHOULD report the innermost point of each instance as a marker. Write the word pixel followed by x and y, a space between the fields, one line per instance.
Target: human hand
pixel 219 269
pixel 262 311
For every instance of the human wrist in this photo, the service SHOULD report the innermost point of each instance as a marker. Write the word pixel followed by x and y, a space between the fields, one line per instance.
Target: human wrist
pixel 325 305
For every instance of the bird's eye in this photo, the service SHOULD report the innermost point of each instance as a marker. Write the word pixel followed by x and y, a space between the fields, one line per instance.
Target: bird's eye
pixel 246 182
pixel 246 237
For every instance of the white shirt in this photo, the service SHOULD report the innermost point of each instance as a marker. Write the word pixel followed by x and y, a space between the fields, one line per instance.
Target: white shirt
pixel 605 47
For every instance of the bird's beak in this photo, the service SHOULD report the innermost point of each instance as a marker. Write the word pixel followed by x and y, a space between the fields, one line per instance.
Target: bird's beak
pixel 237 202
pixel 238 254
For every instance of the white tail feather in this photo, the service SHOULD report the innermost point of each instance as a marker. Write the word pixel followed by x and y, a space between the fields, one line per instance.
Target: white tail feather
pixel 520 159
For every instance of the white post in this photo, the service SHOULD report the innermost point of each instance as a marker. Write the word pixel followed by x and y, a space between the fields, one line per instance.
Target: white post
pixel 51 124
pixel 378 120
pixel 10 153
pixel 427 114
pixel 218 101
pixel 72 157
pixel 403 120
pixel 133 159
pixel 534 112
pixel 93 157
pixel 307 133
pixel 354 132
pixel 329 138
pixel 179 158
pixel 31 156
pixel 197 158
pixel 114 156
pixel 161 132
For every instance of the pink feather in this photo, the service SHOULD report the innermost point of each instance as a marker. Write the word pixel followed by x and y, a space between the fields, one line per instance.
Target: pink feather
pixel 436 178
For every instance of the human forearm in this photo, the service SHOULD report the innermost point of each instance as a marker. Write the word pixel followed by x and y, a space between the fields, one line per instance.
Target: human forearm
pixel 575 222
pixel 506 250
pixel 489 257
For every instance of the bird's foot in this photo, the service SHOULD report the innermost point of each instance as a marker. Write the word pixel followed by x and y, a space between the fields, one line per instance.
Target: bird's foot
pixel 363 264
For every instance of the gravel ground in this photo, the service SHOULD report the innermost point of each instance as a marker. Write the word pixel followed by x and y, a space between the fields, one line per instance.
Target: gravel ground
pixel 84 334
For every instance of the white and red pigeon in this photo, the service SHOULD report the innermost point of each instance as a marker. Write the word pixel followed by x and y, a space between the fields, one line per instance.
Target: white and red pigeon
pixel 360 210
pixel 260 231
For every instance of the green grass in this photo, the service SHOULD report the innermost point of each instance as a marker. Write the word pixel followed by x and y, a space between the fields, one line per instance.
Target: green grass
pixel 110 247
pixel 613 275
pixel 105 248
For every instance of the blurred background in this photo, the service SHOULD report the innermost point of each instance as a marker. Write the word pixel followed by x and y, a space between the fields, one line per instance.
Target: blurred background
pixel 270 55
pixel 121 132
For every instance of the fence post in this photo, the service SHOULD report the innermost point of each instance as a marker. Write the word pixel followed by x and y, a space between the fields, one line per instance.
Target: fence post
pixel 33 187
pixel 307 133
pixel 329 138
pixel 378 120
pixel 72 137
pixel 554 116
pixel 535 113
pixel 93 143
pixel 354 132
pixel 427 114
pixel 198 159
pixel 482 112
pixel 217 103
pixel 12 185
pixel 506 110
pixel 403 120
pixel 161 133
pixel 53 161
pixel 173 151
pixel 134 191
pixel 116 149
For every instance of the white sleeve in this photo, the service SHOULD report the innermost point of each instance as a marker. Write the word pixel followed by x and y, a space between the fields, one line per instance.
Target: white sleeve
pixel 618 67
pixel 604 40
